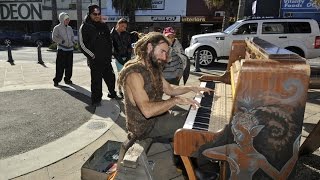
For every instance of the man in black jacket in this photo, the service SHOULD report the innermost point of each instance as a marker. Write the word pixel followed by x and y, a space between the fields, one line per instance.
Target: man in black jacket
pixel 96 45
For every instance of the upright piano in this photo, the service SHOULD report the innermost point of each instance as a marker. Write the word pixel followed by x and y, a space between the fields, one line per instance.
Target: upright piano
pixel 260 106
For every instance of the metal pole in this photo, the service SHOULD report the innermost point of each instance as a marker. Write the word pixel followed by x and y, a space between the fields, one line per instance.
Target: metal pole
pixel 10 60
pixel 197 64
pixel 39 54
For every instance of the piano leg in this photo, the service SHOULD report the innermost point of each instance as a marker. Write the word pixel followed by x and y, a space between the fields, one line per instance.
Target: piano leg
pixel 189 167
pixel 223 170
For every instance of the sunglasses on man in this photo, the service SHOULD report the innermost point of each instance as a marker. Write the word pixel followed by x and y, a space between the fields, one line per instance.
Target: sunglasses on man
pixel 96 14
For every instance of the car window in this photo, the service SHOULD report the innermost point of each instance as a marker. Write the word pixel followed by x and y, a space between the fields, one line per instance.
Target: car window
pixel 230 28
pixel 299 27
pixel 273 27
pixel 249 28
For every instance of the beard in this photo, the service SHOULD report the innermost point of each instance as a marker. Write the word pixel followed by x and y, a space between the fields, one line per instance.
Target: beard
pixel 156 63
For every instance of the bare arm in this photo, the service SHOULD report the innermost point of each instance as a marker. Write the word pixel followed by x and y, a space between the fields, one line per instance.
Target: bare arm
pixel 138 97
pixel 173 90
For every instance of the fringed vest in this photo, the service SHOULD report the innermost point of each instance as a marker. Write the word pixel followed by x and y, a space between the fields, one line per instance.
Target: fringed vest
pixel 136 123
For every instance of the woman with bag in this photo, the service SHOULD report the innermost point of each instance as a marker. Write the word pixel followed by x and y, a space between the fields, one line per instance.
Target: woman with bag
pixel 174 69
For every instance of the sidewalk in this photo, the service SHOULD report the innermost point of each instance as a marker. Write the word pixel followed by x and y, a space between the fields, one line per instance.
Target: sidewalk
pixel 62 159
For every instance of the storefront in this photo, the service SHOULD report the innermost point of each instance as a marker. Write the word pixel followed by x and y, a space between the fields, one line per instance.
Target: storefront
pixel 300 9
pixel 32 15
pixel 157 23
pixel 163 13
pixel 192 25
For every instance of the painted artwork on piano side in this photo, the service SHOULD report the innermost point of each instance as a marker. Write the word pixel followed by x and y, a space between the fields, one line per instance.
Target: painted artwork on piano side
pixel 266 130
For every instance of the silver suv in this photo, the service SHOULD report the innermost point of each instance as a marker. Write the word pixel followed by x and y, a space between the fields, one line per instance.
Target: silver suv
pixel 301 36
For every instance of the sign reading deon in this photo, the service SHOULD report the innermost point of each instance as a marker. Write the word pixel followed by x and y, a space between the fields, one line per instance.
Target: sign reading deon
pixel 20 11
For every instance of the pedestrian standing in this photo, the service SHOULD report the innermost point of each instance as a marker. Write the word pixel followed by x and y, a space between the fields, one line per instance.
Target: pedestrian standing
pixel 122 49
pixel 62 34
pixel 173 70
pixel 121 40
pixel 96 44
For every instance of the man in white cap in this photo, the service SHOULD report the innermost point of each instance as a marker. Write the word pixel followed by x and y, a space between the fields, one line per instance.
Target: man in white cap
pixel 63 35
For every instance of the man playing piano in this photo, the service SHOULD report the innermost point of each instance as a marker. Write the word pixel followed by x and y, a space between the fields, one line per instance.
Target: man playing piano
pixel 147 113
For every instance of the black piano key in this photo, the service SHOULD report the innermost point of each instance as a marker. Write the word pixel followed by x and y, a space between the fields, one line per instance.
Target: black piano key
pixel 206 104
pixel 206 113
pixel 204 110
pixel 202 120
pixel 211 85
pixel 207 99
pixel 203 116
pixel 199 125
pixel 200 129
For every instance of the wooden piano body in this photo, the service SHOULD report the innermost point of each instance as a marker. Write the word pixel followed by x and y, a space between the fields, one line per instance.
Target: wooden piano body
pixel 256 121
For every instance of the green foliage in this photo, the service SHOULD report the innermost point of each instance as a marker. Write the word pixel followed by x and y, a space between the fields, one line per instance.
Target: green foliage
pixel 53 46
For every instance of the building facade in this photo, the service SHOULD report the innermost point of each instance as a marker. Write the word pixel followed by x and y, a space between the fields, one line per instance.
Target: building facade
pixel 36 15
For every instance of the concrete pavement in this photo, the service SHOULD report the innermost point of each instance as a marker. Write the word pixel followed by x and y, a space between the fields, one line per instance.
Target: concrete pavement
pixel 63 157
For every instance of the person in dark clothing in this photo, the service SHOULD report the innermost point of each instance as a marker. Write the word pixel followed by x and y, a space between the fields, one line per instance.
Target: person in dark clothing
pixel 95 43
pixel 121 40
pixel 134 35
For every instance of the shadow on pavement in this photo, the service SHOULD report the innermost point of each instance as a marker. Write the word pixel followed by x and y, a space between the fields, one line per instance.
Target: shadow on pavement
pixel 86 99
pixel 313 97
pixel 308 126
pixel 308 167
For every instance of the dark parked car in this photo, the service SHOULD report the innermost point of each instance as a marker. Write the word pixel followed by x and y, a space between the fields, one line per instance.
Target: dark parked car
pixel 11 36
pixel 43 37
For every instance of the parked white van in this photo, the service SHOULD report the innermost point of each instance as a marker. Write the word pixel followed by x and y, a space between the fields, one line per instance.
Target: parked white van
pixel 301 36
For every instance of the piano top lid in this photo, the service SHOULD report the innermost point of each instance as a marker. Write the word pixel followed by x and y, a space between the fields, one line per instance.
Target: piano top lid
pixel 271 51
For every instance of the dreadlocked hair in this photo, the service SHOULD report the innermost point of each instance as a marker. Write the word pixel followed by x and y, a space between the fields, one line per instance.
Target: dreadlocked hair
pixel 141 47
pixel 141 51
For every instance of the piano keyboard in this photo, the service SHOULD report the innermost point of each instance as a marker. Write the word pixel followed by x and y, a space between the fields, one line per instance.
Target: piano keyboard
pixel 199 118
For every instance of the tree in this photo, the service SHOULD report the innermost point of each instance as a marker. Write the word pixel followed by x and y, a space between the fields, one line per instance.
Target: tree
pixel 241 7
pixel 54 13
pixel 224 4
pixel 79 13
pixel 128 8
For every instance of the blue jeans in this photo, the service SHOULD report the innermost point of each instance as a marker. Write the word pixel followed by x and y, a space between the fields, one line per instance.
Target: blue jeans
pixel 119 65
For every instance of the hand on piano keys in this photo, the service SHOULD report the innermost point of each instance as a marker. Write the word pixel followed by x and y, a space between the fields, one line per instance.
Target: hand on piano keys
pixel 187 101
pixel 201 91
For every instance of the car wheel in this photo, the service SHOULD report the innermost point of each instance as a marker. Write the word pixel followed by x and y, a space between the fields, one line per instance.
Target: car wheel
pixel 7 41
pixel 207 55
pixel 296 50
